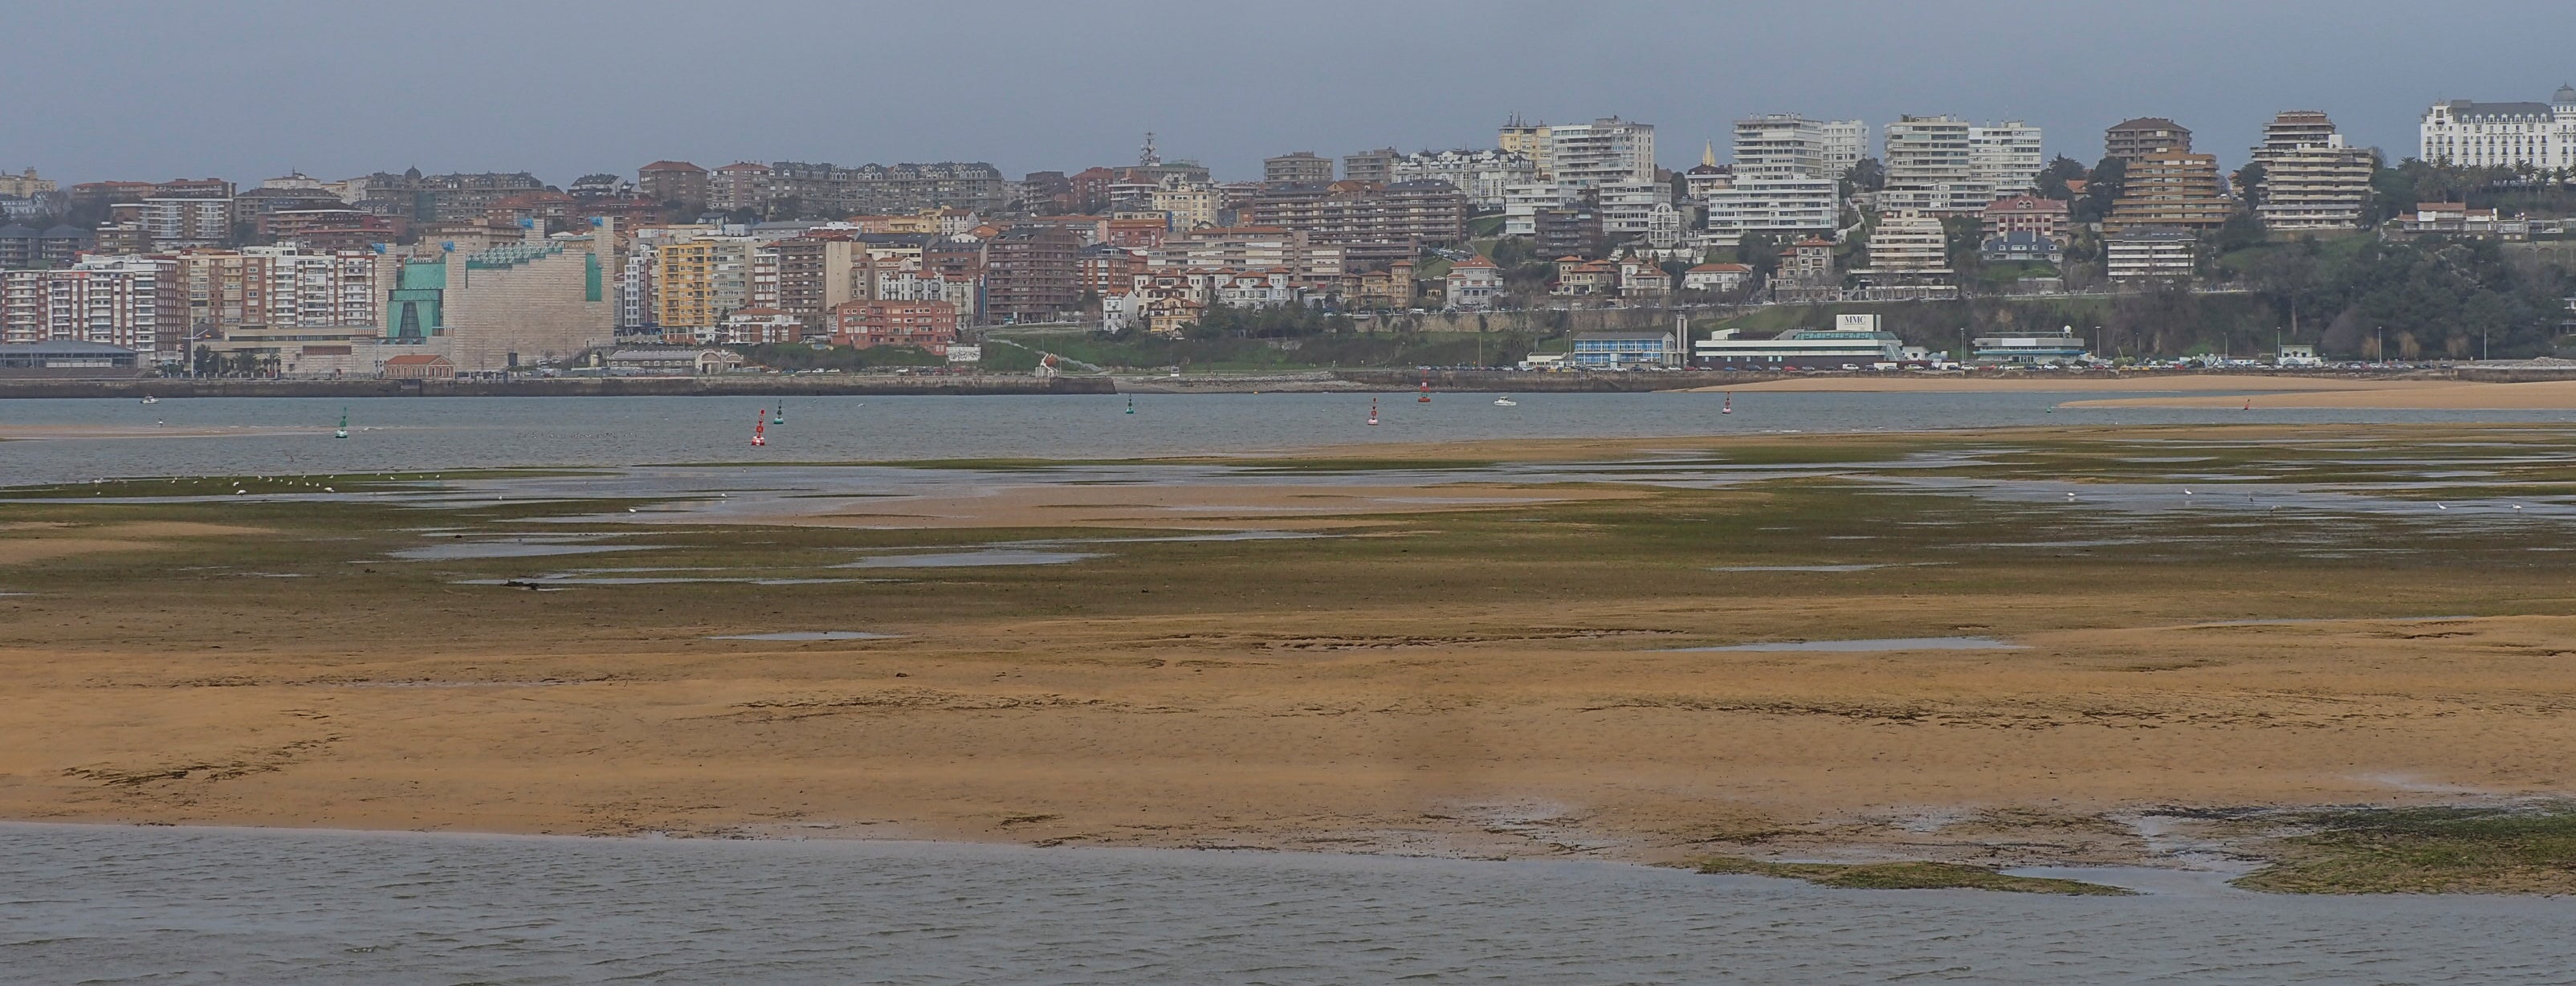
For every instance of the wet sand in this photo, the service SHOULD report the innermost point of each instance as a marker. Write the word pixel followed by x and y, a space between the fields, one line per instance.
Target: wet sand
pixel 1457 678
pixel 2107 383
pixel 2550 395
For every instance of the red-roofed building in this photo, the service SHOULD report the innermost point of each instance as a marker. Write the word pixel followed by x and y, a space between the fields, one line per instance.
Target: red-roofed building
pixel 2027 214
pixel 417 366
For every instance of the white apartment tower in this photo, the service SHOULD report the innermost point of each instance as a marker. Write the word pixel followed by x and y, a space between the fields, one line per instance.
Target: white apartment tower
pixel 1602 152
pixel 2502 135
pixel 1783 145
pixel 1931 167
pixel 2310 179
pixel 2005 157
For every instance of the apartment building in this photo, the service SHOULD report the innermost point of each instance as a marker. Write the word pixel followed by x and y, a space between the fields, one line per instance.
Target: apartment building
pixel 698 281
pixel 1376 167
pixel 2006 157
pixel 448 198
pixel 1629 208
pixel 1522 202
pixel 128 302
pixel 1907 244
pixel 2134 140
pixel 509 306
pixel 1931 167
pixel 2311 180
pixel 1569 231
pixel 672 181
pixel 27 248
pixel 1297 167
pixel 1484 176
pixel 1032 275
pixel 1787 145
pixel 2151 254
pixel 2170 189
pixel 740 185
pixel 1607 150
pixel 928 325
pixel 1529 140
pixel 1307 263
pixel 2501 135
pixel 1370 224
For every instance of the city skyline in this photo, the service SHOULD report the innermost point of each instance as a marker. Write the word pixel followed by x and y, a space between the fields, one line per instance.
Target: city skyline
pixel 566 92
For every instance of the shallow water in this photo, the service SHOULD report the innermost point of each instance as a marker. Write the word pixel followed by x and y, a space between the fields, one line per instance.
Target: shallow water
pixel 189 906
pixel 417 434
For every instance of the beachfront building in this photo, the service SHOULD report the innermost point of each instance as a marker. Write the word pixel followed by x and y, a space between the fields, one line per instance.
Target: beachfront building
pixel 1856 345
pixel 1625 350
pixel 2063 348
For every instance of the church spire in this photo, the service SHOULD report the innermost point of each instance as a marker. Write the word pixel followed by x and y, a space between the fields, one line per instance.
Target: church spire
pixel 1708 154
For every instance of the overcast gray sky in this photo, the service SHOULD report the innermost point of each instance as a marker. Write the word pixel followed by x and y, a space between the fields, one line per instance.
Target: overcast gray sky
pixel 248 89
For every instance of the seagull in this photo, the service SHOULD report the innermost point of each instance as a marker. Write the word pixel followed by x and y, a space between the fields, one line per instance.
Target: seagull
pixel 2443 506
pixel 2070 496
pixel 2186 491
pixel 2517 506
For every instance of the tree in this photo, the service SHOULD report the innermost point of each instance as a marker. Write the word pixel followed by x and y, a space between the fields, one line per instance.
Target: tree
pixel 1865 176
pixel 1962 237
pixel 2248 182
pixel 2243 229
pixel 2053 179
pixel 1760 251
pixel 2101 188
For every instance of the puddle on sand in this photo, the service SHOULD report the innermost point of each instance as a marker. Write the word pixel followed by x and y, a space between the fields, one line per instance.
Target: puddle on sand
pixel 1852 646
pixel 543 581
pixel 971 559
pixel 809 635
pixel 509 549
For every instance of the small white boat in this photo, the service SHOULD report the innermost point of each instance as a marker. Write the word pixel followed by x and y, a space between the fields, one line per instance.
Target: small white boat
pixel 1506 402
pixel 149 399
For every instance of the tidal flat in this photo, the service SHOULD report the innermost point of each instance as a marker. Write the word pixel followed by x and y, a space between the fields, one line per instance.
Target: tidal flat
pixel 1502 650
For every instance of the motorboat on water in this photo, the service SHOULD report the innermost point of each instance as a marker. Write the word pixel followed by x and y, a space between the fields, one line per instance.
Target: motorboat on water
pixel 1506 402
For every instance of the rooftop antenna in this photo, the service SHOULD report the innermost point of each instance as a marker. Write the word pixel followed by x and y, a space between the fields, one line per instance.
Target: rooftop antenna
pixel 1149 157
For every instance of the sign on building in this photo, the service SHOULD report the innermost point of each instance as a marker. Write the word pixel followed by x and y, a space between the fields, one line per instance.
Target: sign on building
pixel 1855 323
pixel 965 354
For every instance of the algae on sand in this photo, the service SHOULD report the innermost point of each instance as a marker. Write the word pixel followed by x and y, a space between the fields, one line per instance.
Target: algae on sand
pixel 1907 876
pixel 2428 850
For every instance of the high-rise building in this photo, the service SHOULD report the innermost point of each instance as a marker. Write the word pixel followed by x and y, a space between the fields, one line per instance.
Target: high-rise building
pixel 2310 179
pixel 1297 167
pixel 2501 135
pixel 2006 157
pixel 2134 139
pixel 1931 167
pixel 1846 142
pixel 1589 155
pixel 131 302
pixel 1773 205
pixel 2170 189
pixel 1032 274
pixel 1780 145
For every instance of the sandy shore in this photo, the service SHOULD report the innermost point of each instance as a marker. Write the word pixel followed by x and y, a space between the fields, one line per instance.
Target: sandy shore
pixel 2551 395
pixel 2105 383
pixel 1483 669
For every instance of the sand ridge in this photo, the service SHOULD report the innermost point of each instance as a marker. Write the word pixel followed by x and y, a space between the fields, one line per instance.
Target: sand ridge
pixel 2547 395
